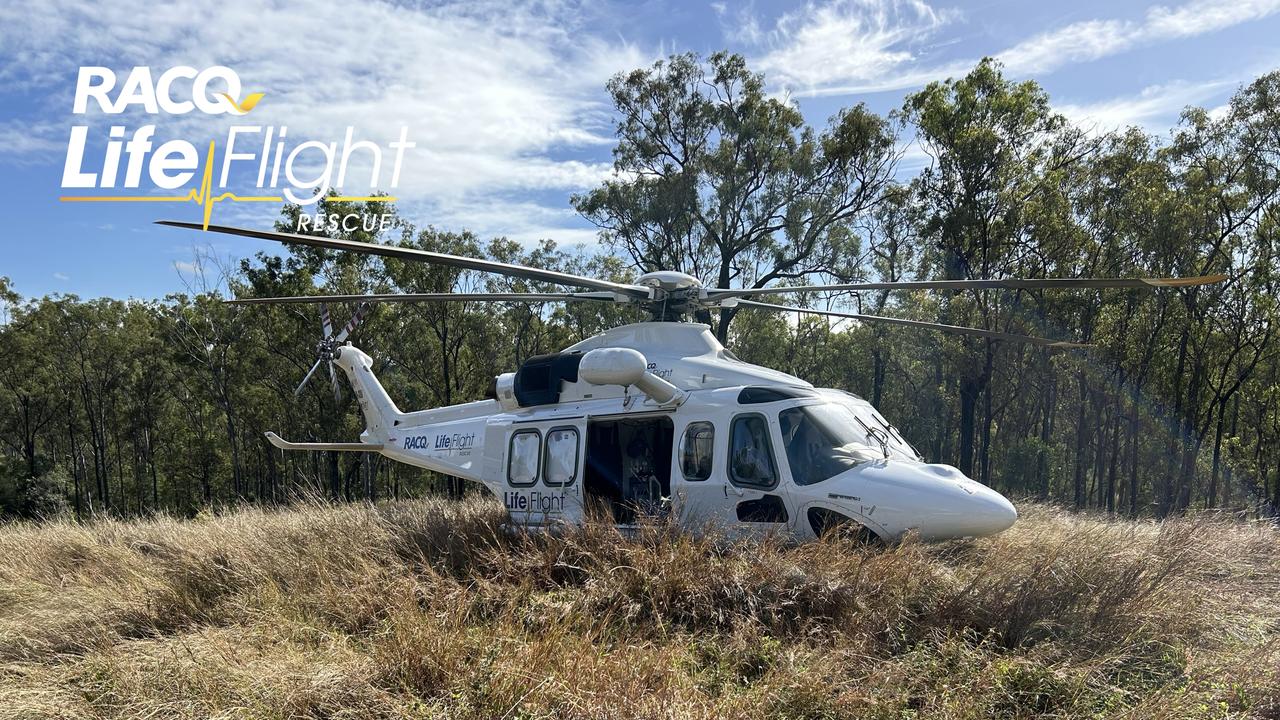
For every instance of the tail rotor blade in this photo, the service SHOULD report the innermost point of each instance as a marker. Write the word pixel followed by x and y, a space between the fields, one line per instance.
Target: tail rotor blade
pixel 310 372
pixel 326 321
pixel 353 322
pixel 333 380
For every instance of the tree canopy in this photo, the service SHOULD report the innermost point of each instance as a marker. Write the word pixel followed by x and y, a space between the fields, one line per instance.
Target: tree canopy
pixel 133 407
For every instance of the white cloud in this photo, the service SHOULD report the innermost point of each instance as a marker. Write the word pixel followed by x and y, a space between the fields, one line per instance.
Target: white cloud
pixel 850 44
pixel 62 277
pixel 520 220
pixel 1220 112
pixel 1155 108
pixel 1094 39
pixel 1202 16
pixel 1078 42
pixel 25 140
pixel 843 47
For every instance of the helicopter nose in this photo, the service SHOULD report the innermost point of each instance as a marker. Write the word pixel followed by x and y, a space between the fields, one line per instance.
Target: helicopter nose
pixel 968 509
pixel 937 501
pixel 991 513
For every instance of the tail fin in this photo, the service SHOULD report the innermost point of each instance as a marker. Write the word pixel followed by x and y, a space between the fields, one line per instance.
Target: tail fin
pixel 380 412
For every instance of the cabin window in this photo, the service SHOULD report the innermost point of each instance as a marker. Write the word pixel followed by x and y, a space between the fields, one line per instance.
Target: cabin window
pixel 560 466
pixel 696 449
pixel 751 453
pixel 522 459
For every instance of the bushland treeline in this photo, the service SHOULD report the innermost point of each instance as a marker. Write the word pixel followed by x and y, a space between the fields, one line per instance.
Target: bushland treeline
pixel 128 407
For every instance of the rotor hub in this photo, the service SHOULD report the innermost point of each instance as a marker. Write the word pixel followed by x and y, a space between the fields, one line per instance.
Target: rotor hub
pixel 327 349
pixel 669 280
pixel 675 294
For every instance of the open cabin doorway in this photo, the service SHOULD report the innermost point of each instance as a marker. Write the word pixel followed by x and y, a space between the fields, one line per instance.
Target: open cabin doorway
pixel 628 467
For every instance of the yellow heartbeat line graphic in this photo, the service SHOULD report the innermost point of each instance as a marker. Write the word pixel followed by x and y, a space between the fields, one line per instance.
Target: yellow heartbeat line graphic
pixel 204 196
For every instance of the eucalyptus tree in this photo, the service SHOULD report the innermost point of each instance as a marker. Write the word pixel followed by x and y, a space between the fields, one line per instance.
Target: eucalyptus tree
pixel 1228 181
pixel 994 143
pixel 715 177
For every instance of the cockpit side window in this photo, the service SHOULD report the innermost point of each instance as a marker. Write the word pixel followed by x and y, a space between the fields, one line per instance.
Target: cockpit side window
pixel 696 449
pixel 751 453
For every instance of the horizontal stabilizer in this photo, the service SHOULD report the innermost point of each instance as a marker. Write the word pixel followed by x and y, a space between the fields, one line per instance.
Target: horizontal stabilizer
pixel 336 447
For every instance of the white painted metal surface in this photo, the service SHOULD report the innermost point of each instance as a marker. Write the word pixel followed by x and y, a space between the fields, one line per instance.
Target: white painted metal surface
pixel 786 469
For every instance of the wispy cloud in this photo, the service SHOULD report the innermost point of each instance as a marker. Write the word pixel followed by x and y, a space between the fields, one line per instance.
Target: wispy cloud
pixel 26 139
pixel 848 45
pixel 1155 108
pixel 1094 39
pixel 61 277
pixel 843 47
pixel 740 24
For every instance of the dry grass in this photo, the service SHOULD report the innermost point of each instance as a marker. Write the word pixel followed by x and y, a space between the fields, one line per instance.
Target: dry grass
pixel 426 609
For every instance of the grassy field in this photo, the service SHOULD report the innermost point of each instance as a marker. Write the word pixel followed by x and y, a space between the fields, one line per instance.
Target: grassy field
pixel 425 609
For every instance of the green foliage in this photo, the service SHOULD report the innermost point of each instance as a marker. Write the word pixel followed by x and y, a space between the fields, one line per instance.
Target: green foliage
pixel 133 407
pixel 717 178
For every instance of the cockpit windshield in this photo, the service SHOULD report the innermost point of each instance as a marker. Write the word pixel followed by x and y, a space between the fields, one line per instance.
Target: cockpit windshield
pixel 871 422
pixel 823 441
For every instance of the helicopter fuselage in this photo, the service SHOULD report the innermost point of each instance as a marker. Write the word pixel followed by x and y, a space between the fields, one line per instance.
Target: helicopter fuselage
pixel 728 444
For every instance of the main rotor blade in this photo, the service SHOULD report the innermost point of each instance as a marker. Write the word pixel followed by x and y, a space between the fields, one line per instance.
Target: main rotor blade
pixel 298 390
pixel 413 254
pixel 1006 284
pixel 354 322
pixel 992 334
pixel 428 297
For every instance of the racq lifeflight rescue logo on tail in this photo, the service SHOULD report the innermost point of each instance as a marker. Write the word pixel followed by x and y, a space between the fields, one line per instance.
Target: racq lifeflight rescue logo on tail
pixel 261 155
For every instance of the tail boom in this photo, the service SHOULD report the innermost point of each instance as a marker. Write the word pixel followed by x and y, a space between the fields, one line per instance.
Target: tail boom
pixel 380 412
pixel 448 440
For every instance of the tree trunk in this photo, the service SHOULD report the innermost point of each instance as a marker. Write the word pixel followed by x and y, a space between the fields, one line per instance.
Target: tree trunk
pixel 335 476
pixel 1046 432
pixel 984 452
pixel 968 406
pixel 877 373
pixel 1165 499
pixel 726 314
pixel 940 427
pixel 1112 461
pixel 1211 497
pixel 1077 485
pixel 1134 426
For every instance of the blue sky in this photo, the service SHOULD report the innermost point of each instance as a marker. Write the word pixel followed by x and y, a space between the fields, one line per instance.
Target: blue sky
pixel 506 102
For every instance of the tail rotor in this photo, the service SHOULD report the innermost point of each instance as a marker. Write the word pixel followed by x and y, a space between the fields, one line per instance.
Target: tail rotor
pixel 327 348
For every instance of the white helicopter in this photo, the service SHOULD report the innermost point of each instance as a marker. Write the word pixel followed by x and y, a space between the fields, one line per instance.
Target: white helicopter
pixel 659 419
